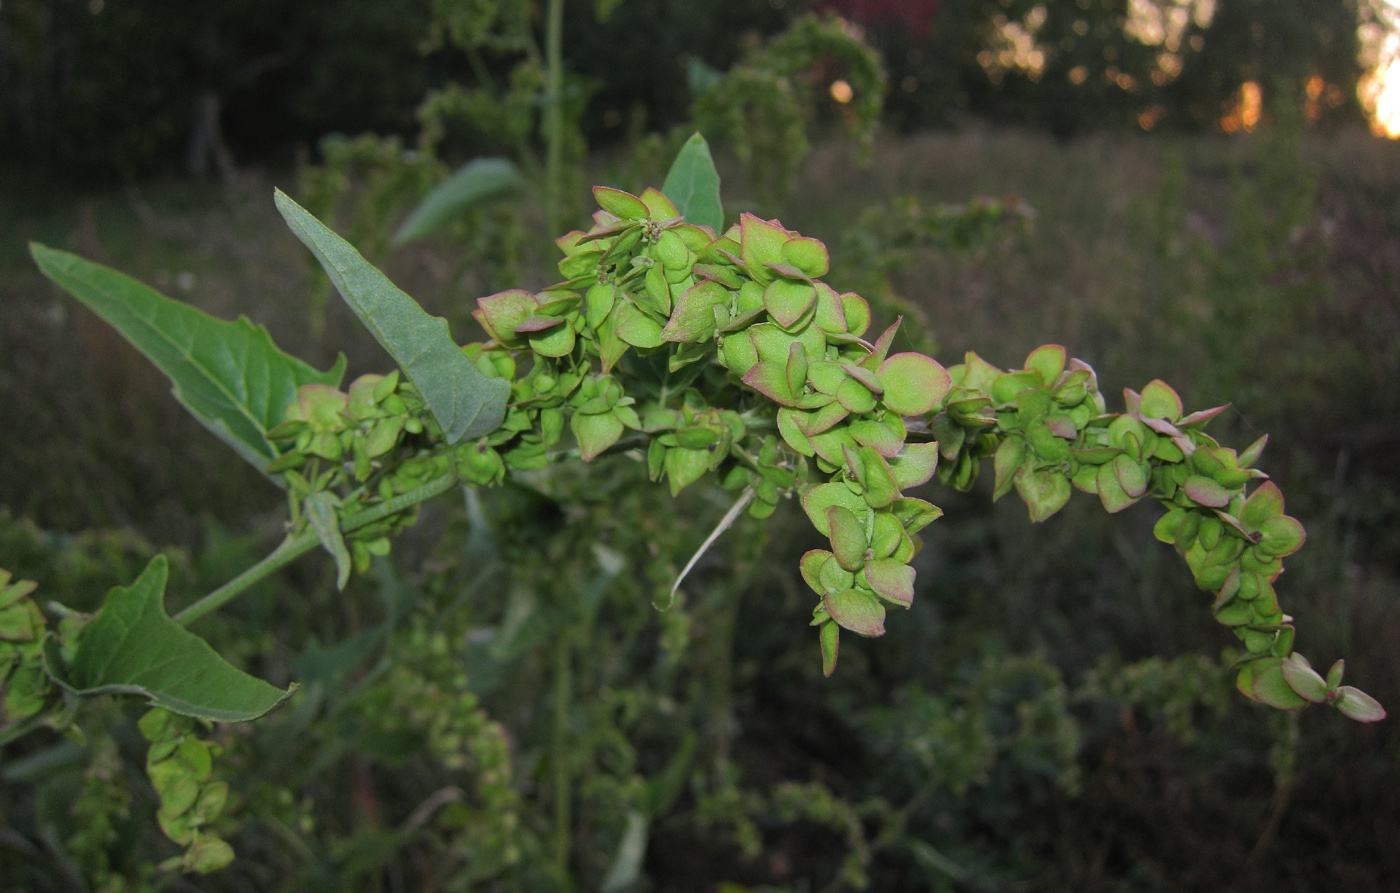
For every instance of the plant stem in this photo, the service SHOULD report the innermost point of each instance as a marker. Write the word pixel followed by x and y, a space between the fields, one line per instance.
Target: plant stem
pixel 292 547
pixel 554 114
pixel 559 755
pixel 298 544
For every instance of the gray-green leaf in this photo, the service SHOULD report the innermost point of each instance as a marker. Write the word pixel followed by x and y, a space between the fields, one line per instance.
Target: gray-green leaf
pixel 474 182
pixel 133 647
pixel 320 514
pixel 464 402
pixel 692 185
pixel 228 374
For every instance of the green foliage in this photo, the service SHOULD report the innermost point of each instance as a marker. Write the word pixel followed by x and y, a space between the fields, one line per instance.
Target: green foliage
pixel 473 183
pixel 691 351
pixel 762 105
pixel 885 240
pixel 462 400
pixel 179 765
pixel 230 376
pixel 132 647
pixel 693 187
pixel 22 679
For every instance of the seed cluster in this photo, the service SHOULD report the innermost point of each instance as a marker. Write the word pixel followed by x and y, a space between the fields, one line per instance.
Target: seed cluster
pixel 727 353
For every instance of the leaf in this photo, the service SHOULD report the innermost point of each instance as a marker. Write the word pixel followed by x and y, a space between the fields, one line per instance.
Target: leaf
pixel 891 580
pixel 1262 506
pixel 464 402
pixel 831 647
pixel 1303 679
pixel 914 384
pixel 1160 401
pixel 1130 475
pixel 133 647
pixel 1044 492
pixel 320 514
pixel 881 488
pixel 817 500
pixel 787 301
pixel 915 464
pixel 856 610
pixel 808 255
pixel 620 204
pixel 848 540
pixel 1282 536
pixel 475 182
pixel 693 318
pixel 229 375
pixel 915 514
pixel 595 433
pixel 1007 461
pixel 770 379
pixel 692 185
pixel 1049 361
pixel 627 862
pixel 1204 491
pixel 1270 687
pixel 811 566
pixel 1358 705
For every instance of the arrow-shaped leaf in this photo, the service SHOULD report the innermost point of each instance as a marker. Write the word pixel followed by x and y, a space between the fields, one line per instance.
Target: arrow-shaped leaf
pixel 228 374
pixel 133 647
pixel 693 185
pixel 464 402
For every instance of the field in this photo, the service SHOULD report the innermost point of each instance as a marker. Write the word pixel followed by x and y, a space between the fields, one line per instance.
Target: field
pixel 988 742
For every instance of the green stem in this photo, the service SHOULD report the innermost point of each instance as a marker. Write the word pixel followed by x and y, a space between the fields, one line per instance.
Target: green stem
pixel 292 547
pixel 554 114
pixel 559 756
pixel 298 544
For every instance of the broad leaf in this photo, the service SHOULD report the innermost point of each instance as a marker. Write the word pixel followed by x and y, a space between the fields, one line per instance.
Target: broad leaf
pixel 474 183
pixel 693 185
pixel 464 402
pixel 228 374
pixel 133 647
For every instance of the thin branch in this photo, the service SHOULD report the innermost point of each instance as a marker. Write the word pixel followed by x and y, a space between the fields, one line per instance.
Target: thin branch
pixel 723 525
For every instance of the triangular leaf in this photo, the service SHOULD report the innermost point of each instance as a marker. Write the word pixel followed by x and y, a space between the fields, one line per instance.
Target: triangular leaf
pixel 693 185
pixel 133 647
pixel 464 402
pixel 229 375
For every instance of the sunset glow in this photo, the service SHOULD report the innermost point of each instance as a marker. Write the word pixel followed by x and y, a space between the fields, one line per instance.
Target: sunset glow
pixel 1380 94
pixel 1379 89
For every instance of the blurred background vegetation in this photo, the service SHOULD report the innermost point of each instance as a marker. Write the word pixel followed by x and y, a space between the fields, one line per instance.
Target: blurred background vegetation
pixel 1193 190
